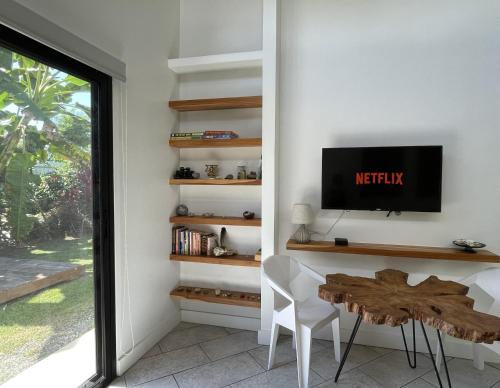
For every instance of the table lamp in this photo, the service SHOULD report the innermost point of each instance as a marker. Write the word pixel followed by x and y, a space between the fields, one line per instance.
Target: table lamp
pixel 302 215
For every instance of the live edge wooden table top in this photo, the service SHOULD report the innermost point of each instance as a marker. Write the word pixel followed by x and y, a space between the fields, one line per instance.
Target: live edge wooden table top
pixel 389 299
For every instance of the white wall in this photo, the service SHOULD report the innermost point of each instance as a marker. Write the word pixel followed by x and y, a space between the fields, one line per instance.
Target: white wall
pixel 143 35
pixel 376 73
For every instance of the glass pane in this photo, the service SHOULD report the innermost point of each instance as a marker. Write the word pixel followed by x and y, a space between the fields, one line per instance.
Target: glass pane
pixel 46 258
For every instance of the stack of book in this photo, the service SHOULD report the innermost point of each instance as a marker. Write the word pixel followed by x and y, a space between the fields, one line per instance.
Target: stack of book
pixel 204 135
pixel 187 136
pixel 192 242
pixel 220 135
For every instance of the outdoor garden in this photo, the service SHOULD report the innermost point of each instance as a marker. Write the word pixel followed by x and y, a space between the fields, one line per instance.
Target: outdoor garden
pixel 45 205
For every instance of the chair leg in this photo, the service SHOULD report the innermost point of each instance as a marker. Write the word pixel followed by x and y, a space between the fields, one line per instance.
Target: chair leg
pixel 478 357
pixel 275 333
pixel 336 338
pixel 439 356
pixel 303 335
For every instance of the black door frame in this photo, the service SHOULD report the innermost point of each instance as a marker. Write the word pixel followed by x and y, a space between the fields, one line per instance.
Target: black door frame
pixel 102 188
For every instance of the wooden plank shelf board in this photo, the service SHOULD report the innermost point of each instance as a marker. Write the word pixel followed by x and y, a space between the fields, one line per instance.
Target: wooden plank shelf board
pixel 216 143
pixel 230 61
pixel 411 251
pixel 235 260
pixel 215 220
pixel 221 182
pixel 235 298
pixel 216 103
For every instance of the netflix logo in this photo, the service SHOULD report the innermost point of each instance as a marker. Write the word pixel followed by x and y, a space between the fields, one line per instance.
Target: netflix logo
pixel 379 178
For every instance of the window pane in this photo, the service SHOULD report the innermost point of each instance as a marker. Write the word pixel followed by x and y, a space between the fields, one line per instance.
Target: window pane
pixel 46 257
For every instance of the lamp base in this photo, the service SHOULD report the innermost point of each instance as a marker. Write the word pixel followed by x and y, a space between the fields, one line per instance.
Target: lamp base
pixel 302 235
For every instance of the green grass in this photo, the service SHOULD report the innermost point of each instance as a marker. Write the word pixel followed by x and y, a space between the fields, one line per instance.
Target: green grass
pixel 33 327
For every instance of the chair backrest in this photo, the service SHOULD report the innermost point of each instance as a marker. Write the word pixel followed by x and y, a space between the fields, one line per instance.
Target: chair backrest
pixel 485 290
pixel 281 271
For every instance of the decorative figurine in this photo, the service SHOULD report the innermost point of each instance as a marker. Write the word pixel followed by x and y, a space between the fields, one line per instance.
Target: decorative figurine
pixel 182 210
pixel 248 215
pixel 229 176
pixel 211 170
pixel 222 250
pixel 217 291
pixel 252 175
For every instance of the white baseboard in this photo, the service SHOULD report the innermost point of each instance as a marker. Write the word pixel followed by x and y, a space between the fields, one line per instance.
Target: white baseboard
pixel 125 361
pixel 224 320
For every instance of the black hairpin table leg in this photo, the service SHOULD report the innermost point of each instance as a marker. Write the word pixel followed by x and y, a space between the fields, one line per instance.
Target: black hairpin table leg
pixel 349 345
pixel 414 365
pixel 443 356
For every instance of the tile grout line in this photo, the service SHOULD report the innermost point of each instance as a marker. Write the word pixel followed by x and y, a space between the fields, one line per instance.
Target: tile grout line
pixel 378 382
pixel 415 379
pixel 207 363
pixel 356 367
pixel 251 377
pixel 205 353
pixel 202 342
pixel 172 374
pixel 176 382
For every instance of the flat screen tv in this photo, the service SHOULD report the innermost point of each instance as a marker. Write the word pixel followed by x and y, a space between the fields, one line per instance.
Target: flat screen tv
pixel 382 178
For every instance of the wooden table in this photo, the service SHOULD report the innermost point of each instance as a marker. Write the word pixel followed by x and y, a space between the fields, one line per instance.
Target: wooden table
pixel 389 299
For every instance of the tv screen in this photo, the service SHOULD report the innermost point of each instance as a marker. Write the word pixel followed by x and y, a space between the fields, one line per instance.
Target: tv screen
pixel 382 178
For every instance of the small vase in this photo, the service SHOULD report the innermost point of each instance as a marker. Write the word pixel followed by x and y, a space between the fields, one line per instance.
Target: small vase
pixel 211 170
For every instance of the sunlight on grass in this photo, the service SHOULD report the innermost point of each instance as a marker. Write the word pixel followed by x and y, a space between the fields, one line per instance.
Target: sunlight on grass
pixel 34 326
pixel 53 295
pixel 81 261
pixel 41 252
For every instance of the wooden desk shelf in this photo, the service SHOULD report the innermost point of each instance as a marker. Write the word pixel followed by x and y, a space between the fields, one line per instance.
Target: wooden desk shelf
pixel 216 103
pixel 416 252
pixel 215 220
pixel 220 182
pixel 235 260
pixel 235 298
pixel 217 143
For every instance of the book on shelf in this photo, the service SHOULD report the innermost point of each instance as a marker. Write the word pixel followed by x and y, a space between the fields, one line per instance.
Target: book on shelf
pixel 187 136
pixel 206 135
pixel 192 242
pixel 219 137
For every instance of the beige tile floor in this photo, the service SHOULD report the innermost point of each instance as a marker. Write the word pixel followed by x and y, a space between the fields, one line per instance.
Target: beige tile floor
pixel 202 356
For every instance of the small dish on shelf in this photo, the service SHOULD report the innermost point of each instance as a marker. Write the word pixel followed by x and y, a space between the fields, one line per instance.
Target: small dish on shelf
pixel 469 245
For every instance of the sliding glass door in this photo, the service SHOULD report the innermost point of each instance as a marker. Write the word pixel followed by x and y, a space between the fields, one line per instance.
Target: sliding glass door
pixel 56 219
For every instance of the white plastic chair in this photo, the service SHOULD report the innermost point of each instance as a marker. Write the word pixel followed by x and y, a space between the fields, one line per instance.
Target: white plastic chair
pixel 301 317
pixel 485 290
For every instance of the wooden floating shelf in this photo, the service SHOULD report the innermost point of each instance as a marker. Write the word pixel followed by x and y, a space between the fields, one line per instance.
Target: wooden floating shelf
pixel 234 298
pixel 235 260
pixel 241 60
pixel 216 143
pixel 216 103
pixel 220 182
pixel 215 220
pixel 416 252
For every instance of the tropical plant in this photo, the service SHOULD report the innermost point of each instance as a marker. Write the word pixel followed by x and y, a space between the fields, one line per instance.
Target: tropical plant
pixel 20 183
pixel 40 124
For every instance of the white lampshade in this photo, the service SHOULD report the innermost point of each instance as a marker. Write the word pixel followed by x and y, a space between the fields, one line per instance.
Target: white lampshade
pixel 302 214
